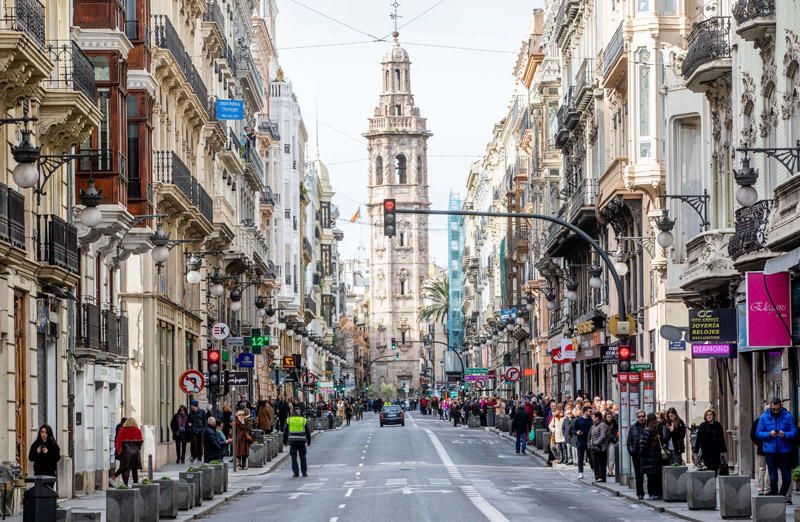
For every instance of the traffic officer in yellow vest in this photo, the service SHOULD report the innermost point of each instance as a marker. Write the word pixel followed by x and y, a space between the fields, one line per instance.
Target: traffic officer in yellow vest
pixel 297 434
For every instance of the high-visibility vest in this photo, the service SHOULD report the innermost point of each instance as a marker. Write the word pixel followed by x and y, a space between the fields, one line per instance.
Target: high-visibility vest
pixel 297 429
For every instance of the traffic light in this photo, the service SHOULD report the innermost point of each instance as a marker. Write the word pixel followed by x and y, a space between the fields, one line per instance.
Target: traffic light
pixel 389 218
pixel 624 355
pixel 214 377
pixel 394 343
pixel 397 357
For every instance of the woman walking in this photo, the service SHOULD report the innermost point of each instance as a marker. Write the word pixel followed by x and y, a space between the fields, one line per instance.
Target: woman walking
pixel 243 438
pixel 613 434
pixel 556 427
pixel 45 453
pixel 650 455
pixel 710 444
pixel 180 433
pixel 675 437
pixel 598 445
pixel 129 448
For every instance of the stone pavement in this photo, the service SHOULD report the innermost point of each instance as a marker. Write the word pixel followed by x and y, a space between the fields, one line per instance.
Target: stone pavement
pixel 676 509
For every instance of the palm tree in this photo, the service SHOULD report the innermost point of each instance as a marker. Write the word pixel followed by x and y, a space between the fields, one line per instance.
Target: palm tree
pixel 437 292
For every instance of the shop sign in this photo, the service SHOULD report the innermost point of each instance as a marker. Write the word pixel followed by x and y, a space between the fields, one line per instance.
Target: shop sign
pixel 634 378
pixel 648 375
pixel 715 325
pixel 609 354
pixel 769 310
pixel 677 346
pixel 529 372
pixel 622 377
pixel 587 327
pixel 564 353
pixel 638 367
pixel 714 351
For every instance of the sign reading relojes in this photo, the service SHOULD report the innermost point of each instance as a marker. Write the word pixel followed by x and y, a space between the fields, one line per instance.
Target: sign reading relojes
pixel 716 325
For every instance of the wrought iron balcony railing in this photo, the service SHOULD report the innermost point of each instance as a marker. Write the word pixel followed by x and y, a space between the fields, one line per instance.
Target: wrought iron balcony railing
pixel 166 37
pixel 89 326
pixel 26 16
pixel 57 243
pixel 12 217
pixel 203 202
pixel 746 10
pixel 614 49
pixel 246 66
pixel 310 303
pixel 72 69
pixel 267 125
pixel 752 224
pixel 708 41
pixel 109 332
pixel 267 197
pixel 123 334
pixel 214 14
pixel 170 169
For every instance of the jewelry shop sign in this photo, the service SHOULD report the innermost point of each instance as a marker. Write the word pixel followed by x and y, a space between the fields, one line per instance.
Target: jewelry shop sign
pixel 715 325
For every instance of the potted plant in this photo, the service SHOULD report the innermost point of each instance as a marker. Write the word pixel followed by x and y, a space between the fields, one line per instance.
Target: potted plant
pixel 796 478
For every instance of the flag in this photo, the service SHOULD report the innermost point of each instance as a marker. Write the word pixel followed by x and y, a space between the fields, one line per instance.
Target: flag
pixel 356 216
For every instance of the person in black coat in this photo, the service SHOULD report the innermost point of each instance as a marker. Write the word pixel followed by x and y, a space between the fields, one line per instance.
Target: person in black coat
pixel 710 444
pixel 674 436
pixel 580 430
pixel 197 423
pixel 650 455
pixel 633 442
pixel 213 446
pixel 45 453
pixel 179 425
pixel 519 425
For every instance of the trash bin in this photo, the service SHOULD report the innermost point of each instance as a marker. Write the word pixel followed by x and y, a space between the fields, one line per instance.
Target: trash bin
pixel 39 502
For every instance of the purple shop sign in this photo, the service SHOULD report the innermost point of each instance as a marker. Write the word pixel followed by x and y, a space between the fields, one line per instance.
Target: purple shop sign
pixel 769 310
pixel 714 351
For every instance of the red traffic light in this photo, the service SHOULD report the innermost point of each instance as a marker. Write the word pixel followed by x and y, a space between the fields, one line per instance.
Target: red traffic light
pixel 213 356
pixel 388 204
pixel 624 352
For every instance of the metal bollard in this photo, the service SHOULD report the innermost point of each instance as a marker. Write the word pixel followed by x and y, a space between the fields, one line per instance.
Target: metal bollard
pixel 39 502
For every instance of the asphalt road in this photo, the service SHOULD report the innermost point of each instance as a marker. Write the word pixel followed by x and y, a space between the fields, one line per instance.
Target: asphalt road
pixel 424 471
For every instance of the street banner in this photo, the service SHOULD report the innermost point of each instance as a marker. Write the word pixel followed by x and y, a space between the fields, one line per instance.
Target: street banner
pixel 769 310
pixel 714 325
pixel 569 349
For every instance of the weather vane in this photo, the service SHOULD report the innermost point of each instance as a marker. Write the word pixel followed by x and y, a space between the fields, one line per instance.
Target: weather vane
pixel 395 16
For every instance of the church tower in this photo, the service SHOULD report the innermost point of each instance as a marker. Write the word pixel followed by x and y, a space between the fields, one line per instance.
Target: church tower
pixel 398 168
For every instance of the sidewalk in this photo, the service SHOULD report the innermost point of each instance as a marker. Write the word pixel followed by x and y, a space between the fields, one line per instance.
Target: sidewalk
pixel 676 509
pixel 238 483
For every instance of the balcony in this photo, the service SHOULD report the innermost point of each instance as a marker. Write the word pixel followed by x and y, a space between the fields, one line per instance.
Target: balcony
pixel 310 305
pixel 174 71
pixel 585 83
pixel 224 218
pixel 254 167
pixel 784 232
pixel 750 232
pixel 57 250
pixel 566 16
pixel 581 203
pixel 213 29
pixel 308 250
pixel 260 250
pixel 567 118
pixel 250 78
pixel 109 171
pixel 555 233
pixel 214 131
pixel 615 60
pixel 708 266
pixel 12 222
pixel 519 240
pixel 266 130
pixel 87 342
pixel 389 124
pixel 68 111
pixel 180 192
pixel 754 18
pixel 231 155
pixel 708 56
pixel 22 49
pixel 612 181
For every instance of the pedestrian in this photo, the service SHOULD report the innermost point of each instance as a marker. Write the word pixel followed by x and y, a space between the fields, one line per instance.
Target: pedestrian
pixel 214 441
pixel 482 413
pixel 580 428
pixel 675 437
pixel 652 455
pixel 778 432
pixel 519 425
pixel 297 434
pixel 244 437
pixel 197 423
pixel 613 438
pixel 265 416
pixel 455 413
pixel 348 412
pixel 634 443
pixel 598 444
pixel 762 478
pixel 710 443
pixel 45 453
pixel 446 409
pixel 283 413
pixel 557 445
pixel 569 438
pixel 129 447
pixel 179 425
pixel 423 404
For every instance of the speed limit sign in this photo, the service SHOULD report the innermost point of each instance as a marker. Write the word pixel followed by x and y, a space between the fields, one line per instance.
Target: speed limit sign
pixel 512 374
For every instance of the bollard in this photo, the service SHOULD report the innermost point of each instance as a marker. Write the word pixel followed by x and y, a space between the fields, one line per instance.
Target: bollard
pixel 39 502
pixel 150 468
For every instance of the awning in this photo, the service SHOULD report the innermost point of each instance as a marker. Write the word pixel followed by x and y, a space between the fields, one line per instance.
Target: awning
pixel 787 261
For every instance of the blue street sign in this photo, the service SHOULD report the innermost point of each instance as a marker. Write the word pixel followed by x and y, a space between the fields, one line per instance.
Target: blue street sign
pixel 230 110
pixel 677 345
pixel 246 360
pixel 508 315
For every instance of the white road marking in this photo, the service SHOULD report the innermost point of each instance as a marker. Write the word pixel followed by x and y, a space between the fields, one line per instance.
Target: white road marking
pixel 349 492
pixel 354 483
pixel 362 458
pixel 361 465
pixel 397 482
pixel 488 510
pixel 440 482
pixel 341 506
pixel 363 451
pixel 293 496
pixel 334 519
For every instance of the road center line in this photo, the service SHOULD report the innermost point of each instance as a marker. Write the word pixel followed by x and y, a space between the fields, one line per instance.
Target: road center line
pixel 488 510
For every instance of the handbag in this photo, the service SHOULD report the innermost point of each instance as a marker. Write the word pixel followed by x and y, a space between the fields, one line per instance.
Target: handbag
pixel 532 436
pixel 724 470
pixel 664 451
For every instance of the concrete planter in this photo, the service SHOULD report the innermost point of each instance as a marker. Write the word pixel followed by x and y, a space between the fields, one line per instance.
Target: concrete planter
pixel 255 458
pixel 168 498
pixel 673 479
pixel 474 421
pixel 769 508
pixel 258 435
pixel 219 477
pixel 339 421
pixel 184 496
pixel 124 505
pixel 701 490
pixel 151 498
pixel 734 496
pixel 195 478
pixel 542 439
pixel 64 515
pixel 208 482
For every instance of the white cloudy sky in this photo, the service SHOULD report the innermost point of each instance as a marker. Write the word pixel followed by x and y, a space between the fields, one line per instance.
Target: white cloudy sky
pixel 461 92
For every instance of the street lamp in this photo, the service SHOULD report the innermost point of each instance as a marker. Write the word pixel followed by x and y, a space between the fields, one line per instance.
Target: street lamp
pixel 236 299
pixel 90 199
pixel 572 288
pixel 595 271
pixel 620 262
pixel 261 305
pixel 193 276
pixel 160 240
pixel 746 177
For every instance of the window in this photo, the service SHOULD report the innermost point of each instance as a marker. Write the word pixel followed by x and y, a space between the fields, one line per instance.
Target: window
pixel 386 81
pixel 687 178
pixel 643 6
pixel 134 186
pixel 643 91
pixel 667 7
pixel 379 171
pixel 396 80
pixel 400 169
pixel 286 148
pixel 552 121
pixel 102 68
pixel 419 170
pixel 398 110
pixel 166 340
pixel 325 215
pixel 325 251
pixel 402 239
pixel 402 287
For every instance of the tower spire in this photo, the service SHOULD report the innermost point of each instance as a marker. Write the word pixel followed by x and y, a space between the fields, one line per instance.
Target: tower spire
pixel 395 16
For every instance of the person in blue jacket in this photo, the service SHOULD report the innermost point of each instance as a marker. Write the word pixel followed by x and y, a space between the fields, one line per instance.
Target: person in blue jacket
pixel 778 432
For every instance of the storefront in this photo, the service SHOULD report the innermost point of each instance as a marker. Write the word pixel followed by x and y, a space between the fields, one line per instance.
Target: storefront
pixel 591 375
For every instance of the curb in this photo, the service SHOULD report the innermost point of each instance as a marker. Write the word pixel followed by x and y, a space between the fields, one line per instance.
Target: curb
pixel 528 449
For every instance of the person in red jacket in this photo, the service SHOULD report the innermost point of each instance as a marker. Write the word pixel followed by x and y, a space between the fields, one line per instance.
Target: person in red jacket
pixel 129 448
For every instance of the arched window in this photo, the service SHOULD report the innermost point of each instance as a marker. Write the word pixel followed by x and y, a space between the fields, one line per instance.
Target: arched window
pixel 386 81
pixel 400 169
pixel 396 84
pixel 770 124
pixel 420 180
pixel 644 84
pixel 379 171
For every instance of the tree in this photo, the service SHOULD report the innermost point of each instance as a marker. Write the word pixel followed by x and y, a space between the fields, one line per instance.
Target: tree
pixel 388 392
pixel 437 293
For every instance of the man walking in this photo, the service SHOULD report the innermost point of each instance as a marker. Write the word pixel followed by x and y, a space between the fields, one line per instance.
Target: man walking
pixel 580 428
pixel 777 431
pixel 634 441
pixel 197 423
pixel 298 435
pixel 519 426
